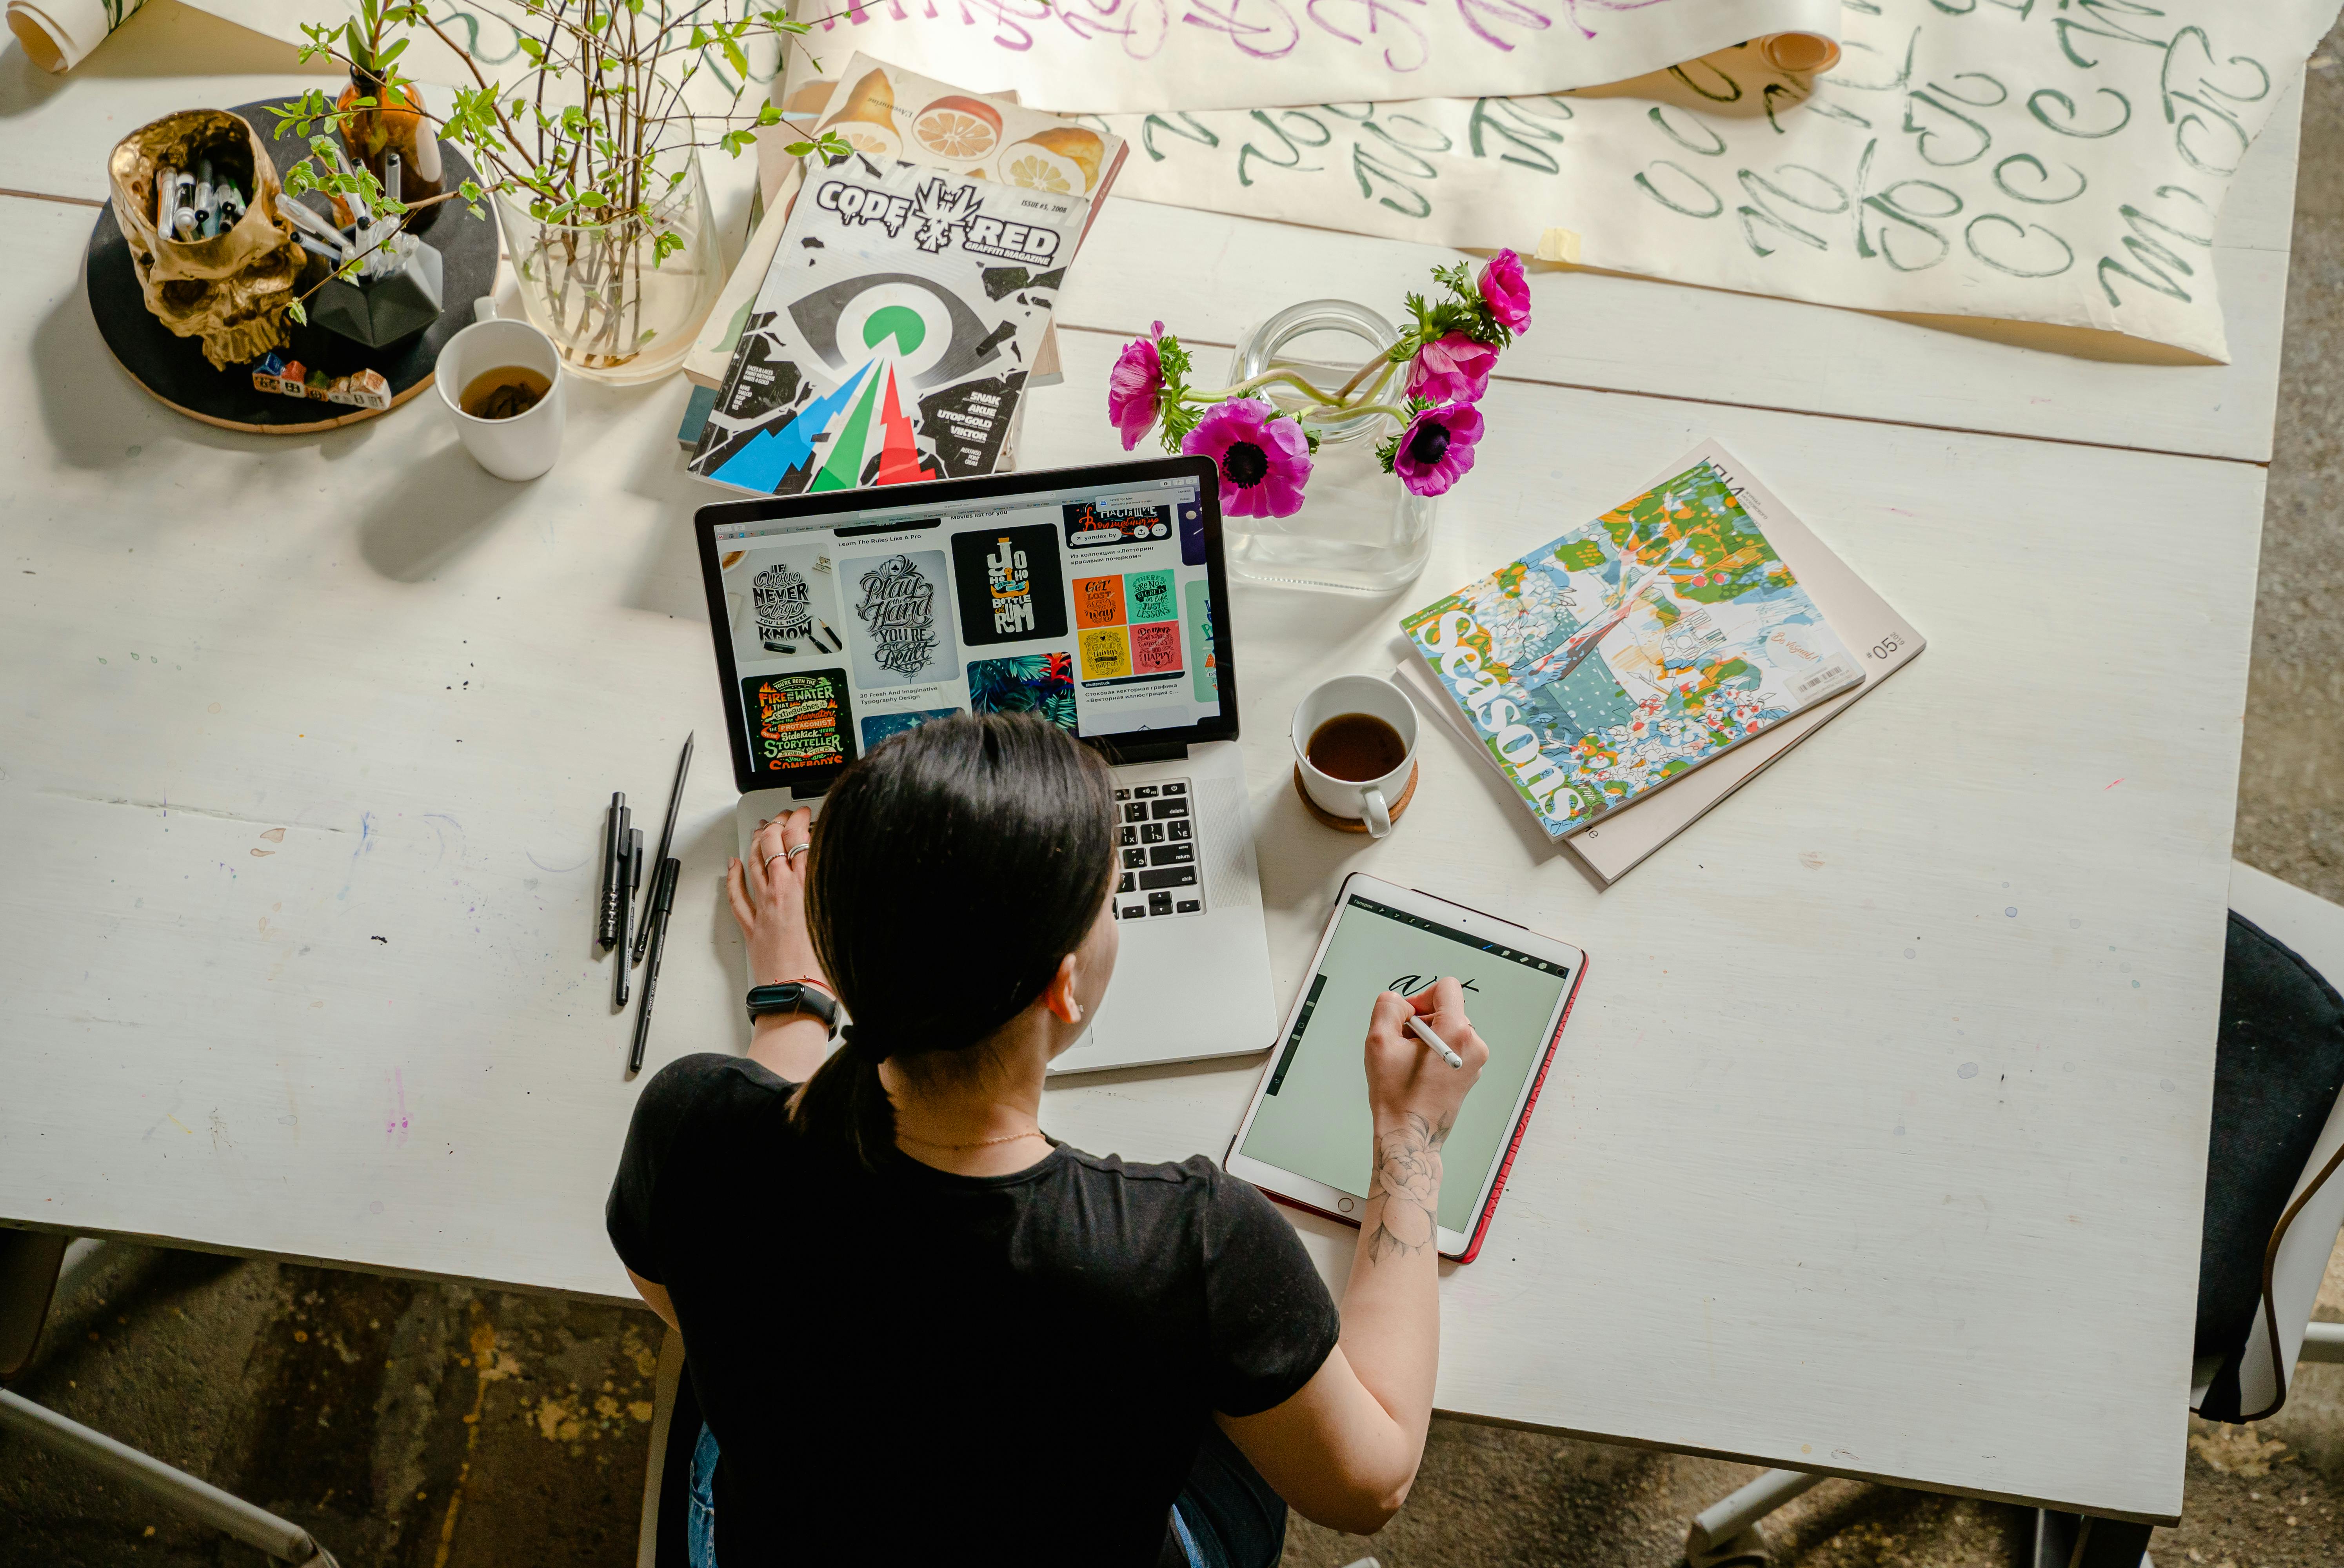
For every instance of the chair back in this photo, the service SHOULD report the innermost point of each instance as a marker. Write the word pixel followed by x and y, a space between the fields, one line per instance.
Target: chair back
pixel 2273 1206
pixel 29 1261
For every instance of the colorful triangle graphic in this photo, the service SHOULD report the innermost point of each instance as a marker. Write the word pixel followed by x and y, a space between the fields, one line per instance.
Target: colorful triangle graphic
pixel 844 469
pixel 764 463
pixel 899 455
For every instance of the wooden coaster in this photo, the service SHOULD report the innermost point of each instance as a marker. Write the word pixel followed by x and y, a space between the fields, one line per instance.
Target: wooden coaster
pixel 1353 824
pixel 175 372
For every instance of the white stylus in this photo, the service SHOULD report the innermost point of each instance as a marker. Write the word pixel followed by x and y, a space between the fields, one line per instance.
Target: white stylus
pixel 1434 1040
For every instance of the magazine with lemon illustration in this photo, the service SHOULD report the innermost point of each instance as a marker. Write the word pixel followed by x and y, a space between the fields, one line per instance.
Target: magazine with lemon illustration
pixel 899 114
pixel 1634 648
pixel 893 333
pixel 890 113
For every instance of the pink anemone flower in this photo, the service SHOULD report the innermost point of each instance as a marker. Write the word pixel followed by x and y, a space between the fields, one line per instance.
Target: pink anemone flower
pixel 1452 369
pixel 1437 449
pixel 1506 292
pixel 1264 462
pixel 1134 388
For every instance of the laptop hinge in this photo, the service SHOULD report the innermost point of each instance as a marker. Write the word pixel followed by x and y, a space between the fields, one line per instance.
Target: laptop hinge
pixel 1148 751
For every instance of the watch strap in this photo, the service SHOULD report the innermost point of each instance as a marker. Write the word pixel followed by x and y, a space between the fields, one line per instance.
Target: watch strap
pixel 793 996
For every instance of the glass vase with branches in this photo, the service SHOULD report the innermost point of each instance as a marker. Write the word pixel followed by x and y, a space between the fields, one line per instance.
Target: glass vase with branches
pixel 593 151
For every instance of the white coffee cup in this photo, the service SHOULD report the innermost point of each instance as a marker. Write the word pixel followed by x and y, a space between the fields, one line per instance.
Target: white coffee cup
pixel 1365 800
pixel 526 444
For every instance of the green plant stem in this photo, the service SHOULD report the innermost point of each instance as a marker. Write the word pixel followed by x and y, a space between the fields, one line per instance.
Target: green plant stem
pixel 1254 383
pixel 1382 360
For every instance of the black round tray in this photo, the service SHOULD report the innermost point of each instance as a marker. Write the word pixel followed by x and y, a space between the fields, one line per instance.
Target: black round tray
pixel 175 370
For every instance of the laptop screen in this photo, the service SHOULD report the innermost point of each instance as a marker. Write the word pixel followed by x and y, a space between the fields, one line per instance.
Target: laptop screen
pixel 1087 596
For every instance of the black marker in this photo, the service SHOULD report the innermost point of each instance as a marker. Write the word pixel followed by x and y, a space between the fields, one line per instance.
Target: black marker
pixel 663 905
pixel 666 841
pixel 614 846
pixel 633 863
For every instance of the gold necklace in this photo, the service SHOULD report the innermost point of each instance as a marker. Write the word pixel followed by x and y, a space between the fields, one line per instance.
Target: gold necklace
pixel 980 1143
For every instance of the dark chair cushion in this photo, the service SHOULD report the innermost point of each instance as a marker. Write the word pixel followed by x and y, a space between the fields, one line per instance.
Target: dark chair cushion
pixel 2279 1064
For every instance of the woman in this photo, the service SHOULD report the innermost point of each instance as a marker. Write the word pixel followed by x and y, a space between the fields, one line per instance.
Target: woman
pixel 920 1331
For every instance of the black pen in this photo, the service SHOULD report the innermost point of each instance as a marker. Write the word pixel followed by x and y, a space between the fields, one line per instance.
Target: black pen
pixel 614 847
pixel 663 905
pixel 666 841
pixel 634 880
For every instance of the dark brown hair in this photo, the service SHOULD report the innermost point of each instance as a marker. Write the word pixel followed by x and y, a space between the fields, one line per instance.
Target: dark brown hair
pixel 953 868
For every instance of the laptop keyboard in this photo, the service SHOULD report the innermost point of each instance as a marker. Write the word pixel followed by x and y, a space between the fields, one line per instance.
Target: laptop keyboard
pixel 1156 853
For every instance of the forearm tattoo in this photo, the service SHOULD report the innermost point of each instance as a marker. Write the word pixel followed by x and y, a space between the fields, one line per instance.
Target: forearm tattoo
pixel 1407 1180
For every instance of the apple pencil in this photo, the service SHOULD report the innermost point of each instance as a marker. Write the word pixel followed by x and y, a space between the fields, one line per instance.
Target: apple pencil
pixel 1417 1027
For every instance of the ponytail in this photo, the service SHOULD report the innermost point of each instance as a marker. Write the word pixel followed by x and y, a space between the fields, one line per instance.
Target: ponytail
pixel 846 1106
pixel 954 868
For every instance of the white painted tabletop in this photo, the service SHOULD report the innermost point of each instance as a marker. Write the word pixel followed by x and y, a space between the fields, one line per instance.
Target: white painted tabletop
pixel 1876 1141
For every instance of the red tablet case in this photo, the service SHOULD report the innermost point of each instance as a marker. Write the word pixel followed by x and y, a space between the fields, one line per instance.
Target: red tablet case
pixel 1514 1145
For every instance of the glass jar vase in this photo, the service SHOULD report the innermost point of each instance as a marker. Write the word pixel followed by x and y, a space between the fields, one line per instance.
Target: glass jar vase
pixel 619 311
pixel 1359 530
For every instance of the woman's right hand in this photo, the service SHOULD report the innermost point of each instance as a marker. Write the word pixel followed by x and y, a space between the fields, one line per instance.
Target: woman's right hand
pixel 1405 1076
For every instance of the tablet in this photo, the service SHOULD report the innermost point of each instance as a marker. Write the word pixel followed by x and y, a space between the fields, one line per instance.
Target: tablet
pixel 1306 1137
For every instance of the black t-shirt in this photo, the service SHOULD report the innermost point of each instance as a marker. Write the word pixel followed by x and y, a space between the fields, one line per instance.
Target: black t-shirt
pixel 911 1366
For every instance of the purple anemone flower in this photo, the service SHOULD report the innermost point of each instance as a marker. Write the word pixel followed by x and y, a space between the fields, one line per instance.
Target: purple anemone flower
pixel 1436 451
pixel 1264 462
pixel 1451 368
pixel 1506 292
pixel 1134 387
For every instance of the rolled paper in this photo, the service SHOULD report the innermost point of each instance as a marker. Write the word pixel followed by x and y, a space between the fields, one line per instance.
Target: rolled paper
pixel 58 34
pixel 1799 54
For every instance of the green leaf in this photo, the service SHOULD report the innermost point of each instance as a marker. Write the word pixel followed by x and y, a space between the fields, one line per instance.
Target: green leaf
pixel 300 315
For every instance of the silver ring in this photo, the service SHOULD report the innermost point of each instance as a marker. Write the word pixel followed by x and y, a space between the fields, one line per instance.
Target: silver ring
pixel 771 858
pixel 795 850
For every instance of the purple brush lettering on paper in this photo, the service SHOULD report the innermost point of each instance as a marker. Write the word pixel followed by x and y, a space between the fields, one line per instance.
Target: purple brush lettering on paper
pixel 1510 11
pixel 1263 29
pixel 1281 34
pixel 1380 19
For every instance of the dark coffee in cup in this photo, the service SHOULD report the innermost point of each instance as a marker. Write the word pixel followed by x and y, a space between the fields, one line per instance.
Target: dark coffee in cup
pixel 1355 748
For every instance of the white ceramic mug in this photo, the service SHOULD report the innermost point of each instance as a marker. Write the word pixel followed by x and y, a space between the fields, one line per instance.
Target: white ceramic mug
pixel 526 444
pixel 1365 800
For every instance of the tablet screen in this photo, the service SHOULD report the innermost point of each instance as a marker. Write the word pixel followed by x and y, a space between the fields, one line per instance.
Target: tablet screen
pixel 1314 1120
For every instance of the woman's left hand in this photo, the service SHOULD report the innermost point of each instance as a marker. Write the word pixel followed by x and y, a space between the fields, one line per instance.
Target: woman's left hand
pixel 769 901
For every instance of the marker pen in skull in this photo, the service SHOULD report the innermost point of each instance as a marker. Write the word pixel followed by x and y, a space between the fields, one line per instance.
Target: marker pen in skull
pixel 167 189
pixel 203 203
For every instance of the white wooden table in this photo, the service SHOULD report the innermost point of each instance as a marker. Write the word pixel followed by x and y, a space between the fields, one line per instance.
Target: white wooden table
pixel 1877 1143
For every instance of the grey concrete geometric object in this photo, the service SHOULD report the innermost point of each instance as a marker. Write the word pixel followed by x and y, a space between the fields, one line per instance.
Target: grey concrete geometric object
pixel 387 309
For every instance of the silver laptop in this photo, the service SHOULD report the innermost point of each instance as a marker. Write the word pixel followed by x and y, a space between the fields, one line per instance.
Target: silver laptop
pixel 1091 597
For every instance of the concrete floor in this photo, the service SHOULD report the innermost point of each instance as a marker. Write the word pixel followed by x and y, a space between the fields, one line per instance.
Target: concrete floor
pixel 427 1426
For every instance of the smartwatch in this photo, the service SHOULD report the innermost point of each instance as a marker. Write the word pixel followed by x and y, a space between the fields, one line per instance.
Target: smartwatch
pixel 795 996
